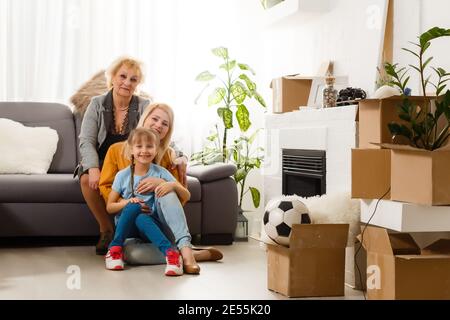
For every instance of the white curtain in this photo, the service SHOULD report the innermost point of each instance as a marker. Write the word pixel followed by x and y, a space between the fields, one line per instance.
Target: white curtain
pixel 49 48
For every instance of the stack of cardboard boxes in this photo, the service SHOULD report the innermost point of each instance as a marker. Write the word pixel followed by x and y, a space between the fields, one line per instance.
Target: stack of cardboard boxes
pixel 396 267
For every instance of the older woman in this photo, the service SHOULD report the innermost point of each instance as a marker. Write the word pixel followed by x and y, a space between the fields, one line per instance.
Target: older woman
pixel 109 118
pixel 160 118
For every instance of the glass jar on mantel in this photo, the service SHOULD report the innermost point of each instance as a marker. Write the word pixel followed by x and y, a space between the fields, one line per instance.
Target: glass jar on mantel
pixel 329 94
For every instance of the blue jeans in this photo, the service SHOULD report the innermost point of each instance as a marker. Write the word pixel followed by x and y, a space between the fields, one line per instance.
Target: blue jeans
pixel 133 222
pixel 170 212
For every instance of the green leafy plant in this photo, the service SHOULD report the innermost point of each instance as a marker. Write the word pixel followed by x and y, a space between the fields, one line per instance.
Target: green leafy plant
pixel 422 120
pixel 241 153
pixel 233 90
pixel 246 160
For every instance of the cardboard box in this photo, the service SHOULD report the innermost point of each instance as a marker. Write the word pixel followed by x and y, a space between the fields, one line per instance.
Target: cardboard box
pixel 314 263
pixel 360 267
pixel 396 269
pixel 371 173
pixel 405 217
pixel 290 92
pixel 421 176
pixel 355 266
pixel 374 116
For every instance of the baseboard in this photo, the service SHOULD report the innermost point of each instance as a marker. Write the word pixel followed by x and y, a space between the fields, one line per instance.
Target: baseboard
pixel 217 239
pixel 8 242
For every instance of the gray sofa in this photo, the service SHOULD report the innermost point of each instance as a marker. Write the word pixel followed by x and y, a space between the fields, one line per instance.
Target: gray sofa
pixel 51 205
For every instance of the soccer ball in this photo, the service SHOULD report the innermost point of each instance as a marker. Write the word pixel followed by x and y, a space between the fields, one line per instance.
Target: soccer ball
pixel 279 218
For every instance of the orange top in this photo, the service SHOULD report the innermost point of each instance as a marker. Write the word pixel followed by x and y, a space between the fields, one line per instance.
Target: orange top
pixel 116 161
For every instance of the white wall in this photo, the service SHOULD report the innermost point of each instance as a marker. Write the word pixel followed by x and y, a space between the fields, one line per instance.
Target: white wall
pixel 299 44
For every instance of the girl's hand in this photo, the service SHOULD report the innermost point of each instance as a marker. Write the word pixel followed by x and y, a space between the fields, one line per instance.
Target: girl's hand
pixel 164 189
pixel 181 165
pixel 144 207
pixel 94 178
pixel 135 200
pixel 148 185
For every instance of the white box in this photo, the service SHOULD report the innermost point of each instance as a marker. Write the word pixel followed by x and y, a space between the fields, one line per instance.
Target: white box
pixel 406 217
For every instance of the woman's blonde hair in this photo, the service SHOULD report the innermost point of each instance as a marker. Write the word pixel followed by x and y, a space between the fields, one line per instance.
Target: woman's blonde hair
pixel 118 63
pixel 137 135
pixel 164 143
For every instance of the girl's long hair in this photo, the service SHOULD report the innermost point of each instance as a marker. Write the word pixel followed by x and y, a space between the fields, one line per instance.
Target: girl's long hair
pixel 135 136
pixel 164 143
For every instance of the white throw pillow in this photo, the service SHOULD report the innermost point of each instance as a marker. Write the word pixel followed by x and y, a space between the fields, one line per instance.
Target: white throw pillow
pixel 26 150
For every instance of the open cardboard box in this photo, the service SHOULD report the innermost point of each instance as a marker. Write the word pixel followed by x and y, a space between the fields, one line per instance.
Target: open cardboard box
pixel 314 263
pixel 290 92
pixel 371 173
pixel 374 116
pixel 420 176
pixel 414 175
pixel 397 269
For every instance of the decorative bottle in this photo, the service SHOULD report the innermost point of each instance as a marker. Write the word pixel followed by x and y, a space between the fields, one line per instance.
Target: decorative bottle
pixel 329 93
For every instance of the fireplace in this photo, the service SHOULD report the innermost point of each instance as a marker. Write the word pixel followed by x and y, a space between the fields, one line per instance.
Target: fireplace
pixel 303 172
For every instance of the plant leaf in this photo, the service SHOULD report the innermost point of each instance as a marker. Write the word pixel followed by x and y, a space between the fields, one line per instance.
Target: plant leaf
pixel 240 175
pixel 216 96
pixel 414 67
pixel 410 51
pixel 250 84
pixel 221 52
pixel 242 116
pixel 227 117
pixel 253 136
pixel 426 62
pixel 238 91
pixel 205 76
pixel 255 196
pixel 246 67
pixel 260 99
pixel 433 33
pixel 228 66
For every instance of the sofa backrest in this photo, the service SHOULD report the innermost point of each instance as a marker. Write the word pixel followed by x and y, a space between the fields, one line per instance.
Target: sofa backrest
pixel 54 115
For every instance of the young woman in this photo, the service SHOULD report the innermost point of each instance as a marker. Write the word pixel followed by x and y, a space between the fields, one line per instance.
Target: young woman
pixel 160 118
pixel 138 211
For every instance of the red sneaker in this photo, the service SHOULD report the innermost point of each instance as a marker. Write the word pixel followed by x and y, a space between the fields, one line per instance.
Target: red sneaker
pixel 114 258
pixel 174 262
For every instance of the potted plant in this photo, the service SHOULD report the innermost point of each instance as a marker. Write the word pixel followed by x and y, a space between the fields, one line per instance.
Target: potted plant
pixel 422 123
pixel 419 171
pixel 233 90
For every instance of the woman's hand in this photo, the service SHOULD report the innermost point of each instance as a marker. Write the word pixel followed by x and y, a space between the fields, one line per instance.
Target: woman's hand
pixel 165 188
pixel 148 185
pixel 94 178
pixel 181 165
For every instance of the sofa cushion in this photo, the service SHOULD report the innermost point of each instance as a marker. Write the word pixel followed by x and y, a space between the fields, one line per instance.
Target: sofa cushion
pixel 47 188
pixel 27 150
pixel 194 188
pixel 54 115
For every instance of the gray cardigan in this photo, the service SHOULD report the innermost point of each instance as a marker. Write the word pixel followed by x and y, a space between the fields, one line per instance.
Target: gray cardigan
pixel 95 124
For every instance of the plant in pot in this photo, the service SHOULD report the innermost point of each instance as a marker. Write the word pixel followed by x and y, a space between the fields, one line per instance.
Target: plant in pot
pixel 419 172
pixel 426 126
pixel 233 90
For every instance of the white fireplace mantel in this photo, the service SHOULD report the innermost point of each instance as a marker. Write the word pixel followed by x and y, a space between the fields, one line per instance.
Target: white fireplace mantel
pixel 333 130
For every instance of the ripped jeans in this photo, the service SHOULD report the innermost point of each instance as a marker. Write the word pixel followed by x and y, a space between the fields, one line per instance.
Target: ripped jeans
pixel 171 214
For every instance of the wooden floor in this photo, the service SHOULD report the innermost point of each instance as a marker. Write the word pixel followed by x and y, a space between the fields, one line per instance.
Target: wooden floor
pixel 52 273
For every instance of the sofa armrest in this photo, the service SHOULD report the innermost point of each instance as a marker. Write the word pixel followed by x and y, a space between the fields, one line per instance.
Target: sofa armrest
pixel 212 172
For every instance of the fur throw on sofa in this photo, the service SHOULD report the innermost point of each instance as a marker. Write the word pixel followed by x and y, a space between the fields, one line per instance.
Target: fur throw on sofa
pixel 93 87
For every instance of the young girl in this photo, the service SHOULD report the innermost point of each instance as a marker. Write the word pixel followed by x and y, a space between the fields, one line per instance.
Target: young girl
pixel 133 220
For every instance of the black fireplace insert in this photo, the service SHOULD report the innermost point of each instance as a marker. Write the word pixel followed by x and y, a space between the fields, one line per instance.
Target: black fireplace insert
pixel 304 172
